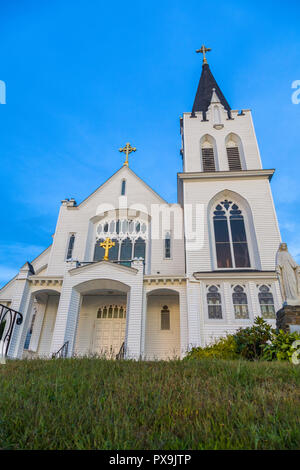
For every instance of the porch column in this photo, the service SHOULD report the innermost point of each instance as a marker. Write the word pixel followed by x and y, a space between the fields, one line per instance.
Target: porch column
pixel 135 314
pixel 67 315
pixel 184 342
pixel 20 303
pixel 194 310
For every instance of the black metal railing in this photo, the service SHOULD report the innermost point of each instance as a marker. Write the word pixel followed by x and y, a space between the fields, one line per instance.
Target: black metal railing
pixel 121 353
pixel 62 352
pixel 8 319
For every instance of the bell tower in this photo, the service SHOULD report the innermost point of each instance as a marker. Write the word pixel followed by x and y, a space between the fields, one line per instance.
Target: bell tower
pixel 231 229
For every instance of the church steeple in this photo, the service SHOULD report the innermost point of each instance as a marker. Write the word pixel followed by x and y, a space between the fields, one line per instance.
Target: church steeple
pixel 206 87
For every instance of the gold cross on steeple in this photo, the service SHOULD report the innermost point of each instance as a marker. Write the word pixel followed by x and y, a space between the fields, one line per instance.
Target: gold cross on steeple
pixel 127 150
pixel 203 50
pixel 107 245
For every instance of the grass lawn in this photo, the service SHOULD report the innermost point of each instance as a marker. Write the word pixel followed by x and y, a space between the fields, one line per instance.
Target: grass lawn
pixel 101 404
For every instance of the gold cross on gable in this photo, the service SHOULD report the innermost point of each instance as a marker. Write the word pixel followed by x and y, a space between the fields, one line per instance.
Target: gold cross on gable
pixel 127 150
pixel 107 245
pixel 203 50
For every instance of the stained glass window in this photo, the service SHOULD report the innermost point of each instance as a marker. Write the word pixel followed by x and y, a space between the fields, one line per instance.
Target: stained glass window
pixel 266 301
pixel 240 303
pixel 214 303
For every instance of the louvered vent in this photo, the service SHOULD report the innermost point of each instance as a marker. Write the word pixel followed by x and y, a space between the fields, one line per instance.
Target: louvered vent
pixel 208 159
pixel 234 161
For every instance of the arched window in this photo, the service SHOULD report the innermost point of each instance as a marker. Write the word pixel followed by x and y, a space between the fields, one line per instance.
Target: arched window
pixel 70 246
pixel 208 157
pixel 168 245
pixel 99 250
pixel 140 248
pixel 214 303
pixel 230 236
pixel 266 301
pixel 233 153
pixel 240 303
pixel 123 187
pixel 165 318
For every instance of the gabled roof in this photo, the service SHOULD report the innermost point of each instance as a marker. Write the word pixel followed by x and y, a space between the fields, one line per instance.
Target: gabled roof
pixel 123 168
pixel 205 91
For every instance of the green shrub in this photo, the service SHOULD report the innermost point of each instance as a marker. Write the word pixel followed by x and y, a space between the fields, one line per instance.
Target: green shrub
pixel 250 341
pixel 280 348
pixel 223 348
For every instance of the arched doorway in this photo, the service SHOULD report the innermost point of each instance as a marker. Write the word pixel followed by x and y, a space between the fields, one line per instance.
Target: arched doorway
pixel 102 321
pixel 162 339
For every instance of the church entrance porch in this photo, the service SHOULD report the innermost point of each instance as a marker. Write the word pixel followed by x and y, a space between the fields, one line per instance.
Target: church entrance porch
pixel 102 322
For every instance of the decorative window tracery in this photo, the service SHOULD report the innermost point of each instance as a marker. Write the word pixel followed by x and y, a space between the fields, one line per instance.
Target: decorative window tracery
pixel 230 236
pixel 266 301
pixel 240 303
pixel 111 311
pixel 214 302
pixel 129 236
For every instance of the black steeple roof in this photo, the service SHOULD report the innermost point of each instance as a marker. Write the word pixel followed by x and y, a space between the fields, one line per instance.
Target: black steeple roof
pixel 205 90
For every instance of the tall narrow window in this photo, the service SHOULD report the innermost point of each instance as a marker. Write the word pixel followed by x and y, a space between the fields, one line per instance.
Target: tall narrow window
pixel 140 248
pixel 266 301
pixel 70 246
pixel 233 153
pixel 168 245
pixel 165 318
pixel 240 303
pixel 214 303
pixel 230 236
pixel 208 158
pixel 126 252
pixel 99 250
pixel 123 188
pixel 113 254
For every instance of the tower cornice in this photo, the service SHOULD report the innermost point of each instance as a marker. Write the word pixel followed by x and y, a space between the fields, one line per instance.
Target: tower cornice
pixel 217 175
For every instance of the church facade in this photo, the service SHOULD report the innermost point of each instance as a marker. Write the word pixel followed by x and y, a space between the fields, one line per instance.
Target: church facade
pixel 133 276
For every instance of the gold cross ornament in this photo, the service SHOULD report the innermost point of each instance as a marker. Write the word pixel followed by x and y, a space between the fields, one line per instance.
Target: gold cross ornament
pixel 127 150
pixel 107 245
pixel 203 50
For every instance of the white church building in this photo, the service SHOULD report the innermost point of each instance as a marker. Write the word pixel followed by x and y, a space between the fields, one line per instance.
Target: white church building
pixel 177 275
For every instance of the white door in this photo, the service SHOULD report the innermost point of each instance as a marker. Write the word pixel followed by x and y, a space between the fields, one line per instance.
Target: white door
pixel 109 333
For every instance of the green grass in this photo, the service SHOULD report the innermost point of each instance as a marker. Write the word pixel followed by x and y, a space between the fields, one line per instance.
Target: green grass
pixel 101 404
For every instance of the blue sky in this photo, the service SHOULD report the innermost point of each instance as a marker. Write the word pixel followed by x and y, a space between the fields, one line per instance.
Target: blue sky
pixel 84 77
